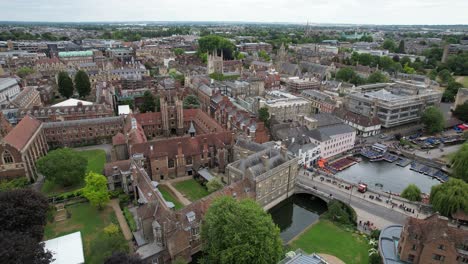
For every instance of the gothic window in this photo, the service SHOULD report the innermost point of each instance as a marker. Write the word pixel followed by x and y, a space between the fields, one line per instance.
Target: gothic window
pixel 7 158
pixel 188 160
pixel 170 163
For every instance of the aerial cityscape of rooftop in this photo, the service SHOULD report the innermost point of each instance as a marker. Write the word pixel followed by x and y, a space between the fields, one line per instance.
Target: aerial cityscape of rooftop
pixel 270 132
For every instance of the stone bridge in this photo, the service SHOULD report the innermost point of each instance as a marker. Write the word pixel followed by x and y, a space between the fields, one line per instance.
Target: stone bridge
pixel 304 188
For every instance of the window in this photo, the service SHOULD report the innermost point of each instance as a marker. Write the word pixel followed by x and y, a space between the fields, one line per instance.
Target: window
pixel 188 160
pixel 410 258
pixel 438 257
pixel 413 247
pixel 7 158
pixel 441 247
pixel 170 163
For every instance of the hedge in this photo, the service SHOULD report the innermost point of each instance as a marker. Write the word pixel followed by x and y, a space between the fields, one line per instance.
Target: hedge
pixel 130 220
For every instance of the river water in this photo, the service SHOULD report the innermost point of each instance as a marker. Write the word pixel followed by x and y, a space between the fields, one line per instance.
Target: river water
pixel 394 178
pixel 296 213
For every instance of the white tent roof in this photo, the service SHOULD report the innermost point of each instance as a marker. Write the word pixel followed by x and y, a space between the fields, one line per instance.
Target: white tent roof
pixel 124 110
pixel 66 249
pixel 71 102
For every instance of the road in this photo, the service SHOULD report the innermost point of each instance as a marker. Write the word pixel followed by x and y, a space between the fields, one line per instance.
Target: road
pixel 380 215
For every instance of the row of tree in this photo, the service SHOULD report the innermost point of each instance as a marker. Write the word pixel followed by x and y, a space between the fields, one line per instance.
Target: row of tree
pixel 67 86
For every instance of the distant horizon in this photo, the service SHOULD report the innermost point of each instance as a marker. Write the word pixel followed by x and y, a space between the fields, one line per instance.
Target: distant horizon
pixel 346 12
pixel 136 22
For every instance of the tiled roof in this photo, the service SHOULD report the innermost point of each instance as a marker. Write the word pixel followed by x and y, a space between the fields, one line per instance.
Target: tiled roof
pixel 22 133
pixel 123 165
pixel 358 119
pixel 118 139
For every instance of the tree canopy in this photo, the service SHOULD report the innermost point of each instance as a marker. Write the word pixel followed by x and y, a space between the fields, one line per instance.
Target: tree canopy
pixel 264 116
pixel 63 166
pixel 95 189
pixel 389 44
pixel 401 47
pixel 377 77
pixel 451 91
pixel 149 103
pixel 21 248
pixel 122 258
pixel 433 120
pixel 24 71
pixel 23 211
pixel 178 51
pixel 212 43
pixel 82 83
pixel 449 197
pixel 191 101
pixel 412 193
pixel 340 213
pixel 461 112
pixel 239 232
pixel 65 85
pixel 460 163
pixel 214 185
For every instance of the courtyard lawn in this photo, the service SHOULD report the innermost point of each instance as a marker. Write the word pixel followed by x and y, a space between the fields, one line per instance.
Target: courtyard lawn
pixel 96 160
pixel 90 221
pixel 166 193
pixel 191 189
pixel 463 80
pixel 326 237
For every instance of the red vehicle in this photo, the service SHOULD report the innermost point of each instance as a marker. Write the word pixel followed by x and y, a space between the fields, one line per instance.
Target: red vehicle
pixel 362 188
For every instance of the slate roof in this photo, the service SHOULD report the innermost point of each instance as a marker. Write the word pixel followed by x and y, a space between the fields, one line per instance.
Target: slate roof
pixel 325 133
pixel 20 135
pixel 358 119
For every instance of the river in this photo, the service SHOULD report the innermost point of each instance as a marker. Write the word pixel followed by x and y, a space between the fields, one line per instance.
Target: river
pixel 394 178
pixel 296 213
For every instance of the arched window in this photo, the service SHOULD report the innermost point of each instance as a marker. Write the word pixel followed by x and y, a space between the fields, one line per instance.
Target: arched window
pixel 7 158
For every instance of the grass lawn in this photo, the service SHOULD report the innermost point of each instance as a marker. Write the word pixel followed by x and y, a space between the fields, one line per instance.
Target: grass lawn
pixel 96 160
pixel 191 189
pixel 326 237
pixel 90 221
pixel 169 197
pixel 463 80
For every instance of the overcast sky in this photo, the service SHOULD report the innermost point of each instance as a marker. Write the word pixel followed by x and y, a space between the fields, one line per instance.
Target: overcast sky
pixel 301 11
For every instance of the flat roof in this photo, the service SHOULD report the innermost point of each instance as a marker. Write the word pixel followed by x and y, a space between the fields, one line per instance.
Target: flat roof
pixel 66 249
pixel 124 110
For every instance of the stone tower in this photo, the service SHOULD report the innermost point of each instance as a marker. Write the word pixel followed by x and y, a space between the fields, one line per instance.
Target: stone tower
pixel 215 62
pixel 180 116
pixel 164 116
pixel 281 57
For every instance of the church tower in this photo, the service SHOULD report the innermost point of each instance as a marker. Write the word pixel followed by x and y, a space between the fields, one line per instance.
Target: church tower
pixel 215 63
pixel 281 57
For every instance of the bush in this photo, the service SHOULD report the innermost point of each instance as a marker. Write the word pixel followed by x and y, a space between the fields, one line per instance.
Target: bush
pixel 375 234
pixel 124 199
pixel 115 193
pixel 130 220
pixel 375 259
pixel 17 183
pixel 340 213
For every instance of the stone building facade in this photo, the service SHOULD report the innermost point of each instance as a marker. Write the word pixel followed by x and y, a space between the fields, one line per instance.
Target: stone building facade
pixel 21 148
pixel 272 174
pixel 83 132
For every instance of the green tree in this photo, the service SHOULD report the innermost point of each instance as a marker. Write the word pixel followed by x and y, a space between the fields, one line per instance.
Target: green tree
pixel 340 213
pixel 375 258
pixel 445 76
pixel 433 120
pixel 65 85
pixel 412 193
pixel 264 55
pixel 191 101
pixel 365 59
pixel 63 166
pixel 401 47
pixel 264 116
pixel 451 91
pixel 460 163
pixel 239 232
pixel 213 185
pixel 149 103
pixel 461 112
pixel 24 71
pixel 377 77
pixel 345 74
pixel 82 83
pixel 178 51
pixel 409 70
pixel 449 197
pixel 389 44
pixel 212 43
pixel 95 189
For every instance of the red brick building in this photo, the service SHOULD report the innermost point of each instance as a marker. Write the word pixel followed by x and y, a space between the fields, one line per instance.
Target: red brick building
pixel 5 126
pixel 21 148
pixel 433 241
